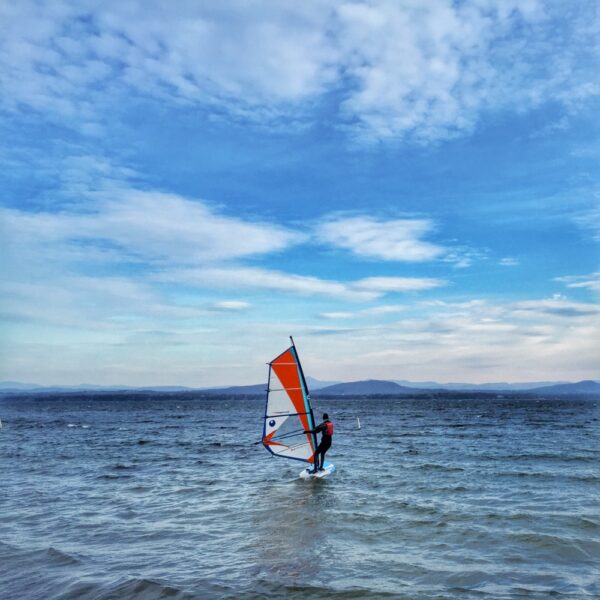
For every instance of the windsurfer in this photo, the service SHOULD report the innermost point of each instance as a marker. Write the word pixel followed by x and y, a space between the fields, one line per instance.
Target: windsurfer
pixel 326 431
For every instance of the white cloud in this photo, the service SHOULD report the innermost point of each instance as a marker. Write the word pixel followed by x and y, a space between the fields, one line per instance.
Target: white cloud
pixel 374 311
pixel 426 70
pixel 254 278
pixel 590 219
pixel 224 277
pixel 91 303
pixel 68 58
pixel 152 227
pixel 385 309
pixel 397 240
pixel 590 282
pixel 462 257
pixel 334 315
pixel 399 284
pixel 476 341
pixel 231 305
pixel 508 262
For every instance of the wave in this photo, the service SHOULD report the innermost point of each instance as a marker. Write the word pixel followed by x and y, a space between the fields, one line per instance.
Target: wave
pixel 552 476
pixel 587 523
pixel 553 456
pixel 436 467
pixel 113 476
pixel 141 589
pixel 565 548
pixel 49 556
pixel 267 590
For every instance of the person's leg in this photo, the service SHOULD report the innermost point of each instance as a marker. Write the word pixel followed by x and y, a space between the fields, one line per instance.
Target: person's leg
pixel 324 449
pixel 316 459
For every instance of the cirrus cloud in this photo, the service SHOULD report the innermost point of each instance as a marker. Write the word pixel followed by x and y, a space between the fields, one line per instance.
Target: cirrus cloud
pixel 412 69
pixel 254 278
pixel 589 282
pixel 149 227
pixel 400 284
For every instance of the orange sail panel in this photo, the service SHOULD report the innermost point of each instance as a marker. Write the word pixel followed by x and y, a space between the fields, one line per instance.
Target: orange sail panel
pixel 288 413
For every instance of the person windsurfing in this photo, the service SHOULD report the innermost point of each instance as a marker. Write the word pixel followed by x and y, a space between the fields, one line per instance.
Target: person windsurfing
pixel 326 431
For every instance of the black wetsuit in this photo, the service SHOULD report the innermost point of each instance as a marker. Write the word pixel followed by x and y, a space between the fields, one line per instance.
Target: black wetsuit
pixel 324 445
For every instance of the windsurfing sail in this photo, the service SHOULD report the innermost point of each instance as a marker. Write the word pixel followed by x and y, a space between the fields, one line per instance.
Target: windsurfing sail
pixel 288 413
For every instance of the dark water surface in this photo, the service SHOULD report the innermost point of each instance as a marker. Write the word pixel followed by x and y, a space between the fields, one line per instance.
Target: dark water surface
pixel 167 497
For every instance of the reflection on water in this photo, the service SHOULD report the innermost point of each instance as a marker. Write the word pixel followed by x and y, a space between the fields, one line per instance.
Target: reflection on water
pixel 290 526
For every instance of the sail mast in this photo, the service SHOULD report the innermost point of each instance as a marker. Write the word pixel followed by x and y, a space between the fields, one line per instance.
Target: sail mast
pixel 310 415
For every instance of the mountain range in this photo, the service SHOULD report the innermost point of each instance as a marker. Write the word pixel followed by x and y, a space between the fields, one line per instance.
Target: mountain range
pixel 372 387
pixel 367 387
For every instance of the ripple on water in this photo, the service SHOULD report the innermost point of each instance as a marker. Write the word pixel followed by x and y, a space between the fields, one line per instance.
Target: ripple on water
pixel 167 497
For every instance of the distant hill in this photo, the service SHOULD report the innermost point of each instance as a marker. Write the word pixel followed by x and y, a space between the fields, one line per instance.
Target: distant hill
pixel 14 386
pixel 366 387
pixel 317 384
pixel 581 387
pixel 322 388
pixel 260 388
pixel 239 390
pixel 495 386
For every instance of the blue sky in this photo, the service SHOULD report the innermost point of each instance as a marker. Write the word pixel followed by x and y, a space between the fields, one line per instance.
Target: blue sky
pixel 410 189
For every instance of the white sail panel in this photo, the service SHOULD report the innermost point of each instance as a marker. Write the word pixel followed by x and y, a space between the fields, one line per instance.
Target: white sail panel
pixel 303 451
pixel 279 403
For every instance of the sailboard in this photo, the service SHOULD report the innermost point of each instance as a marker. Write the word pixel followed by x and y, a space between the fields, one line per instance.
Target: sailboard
pixel 328 469
pixel 288 412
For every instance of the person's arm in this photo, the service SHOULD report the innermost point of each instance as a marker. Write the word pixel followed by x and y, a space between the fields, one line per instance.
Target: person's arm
pixel 317 429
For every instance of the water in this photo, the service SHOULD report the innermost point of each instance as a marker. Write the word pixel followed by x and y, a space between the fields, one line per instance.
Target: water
pixel 167 497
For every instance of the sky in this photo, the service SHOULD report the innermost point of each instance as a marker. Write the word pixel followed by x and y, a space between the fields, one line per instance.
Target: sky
pixel 411 189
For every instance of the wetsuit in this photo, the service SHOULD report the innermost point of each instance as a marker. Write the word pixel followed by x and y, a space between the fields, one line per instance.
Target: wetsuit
pixel 326 431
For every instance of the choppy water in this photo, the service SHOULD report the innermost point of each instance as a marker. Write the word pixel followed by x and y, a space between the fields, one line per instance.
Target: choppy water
pixel 166 497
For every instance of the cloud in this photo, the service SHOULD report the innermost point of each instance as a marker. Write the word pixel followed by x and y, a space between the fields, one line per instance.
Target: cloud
pixel 69 59
pixel 430 70
pixel 508 262
pixel 427 71
pixel 590 219
pixel 253 278
pixel 145 227
pixel 475 341
pixel 384 309
pixel 394 240
pixel 230 305
pixel 93 303
pixel 338 315
pixel 399 284
pixel 399 240
pixel 556 306
pixel 462 257
pixel 374 311
pixel 589 282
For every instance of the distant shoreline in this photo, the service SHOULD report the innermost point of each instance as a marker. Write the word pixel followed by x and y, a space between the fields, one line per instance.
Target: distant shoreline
pixel 141 394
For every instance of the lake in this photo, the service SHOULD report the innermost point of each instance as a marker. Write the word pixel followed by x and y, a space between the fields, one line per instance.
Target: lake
pixel 152 496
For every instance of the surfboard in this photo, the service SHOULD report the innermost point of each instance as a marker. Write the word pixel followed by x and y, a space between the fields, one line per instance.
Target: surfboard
pixel 328 469
pixel 288 412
